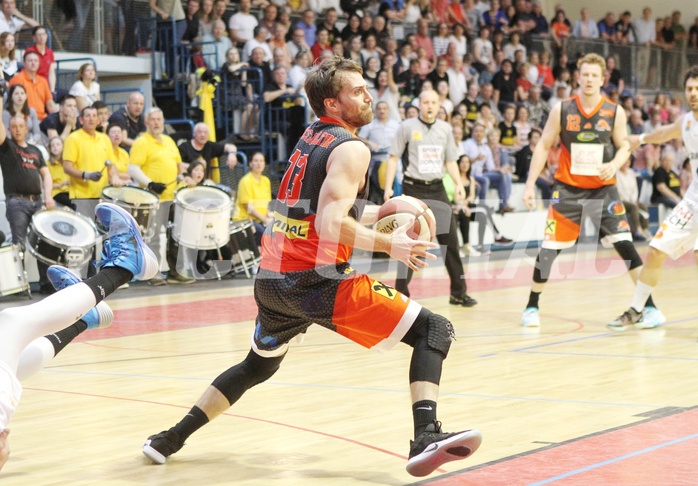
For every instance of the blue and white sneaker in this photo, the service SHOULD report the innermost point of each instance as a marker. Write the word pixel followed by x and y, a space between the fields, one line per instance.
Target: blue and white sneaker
pixel 100 316
pixel 530 317
pixel 651 318
pixel 126 248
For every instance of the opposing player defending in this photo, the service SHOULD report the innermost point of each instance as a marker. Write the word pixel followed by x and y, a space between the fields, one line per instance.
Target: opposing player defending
pixel 679 231
pixel 593 136
pixel 305 276
pixel 126 257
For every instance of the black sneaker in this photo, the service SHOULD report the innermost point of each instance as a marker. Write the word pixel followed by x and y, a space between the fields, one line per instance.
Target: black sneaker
pixel 503 241
pixel 160 446
pixel 465 300
pixel 433 448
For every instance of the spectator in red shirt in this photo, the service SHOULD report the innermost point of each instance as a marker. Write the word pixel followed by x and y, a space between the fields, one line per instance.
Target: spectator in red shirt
pixel 322 43
pixel 47 64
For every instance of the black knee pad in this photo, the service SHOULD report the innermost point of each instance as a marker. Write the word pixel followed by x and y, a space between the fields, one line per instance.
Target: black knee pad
pixel 544 263
pixel 627 252
pixel 440 333
pixel 430 336
pixel 432 329
pixel 252 371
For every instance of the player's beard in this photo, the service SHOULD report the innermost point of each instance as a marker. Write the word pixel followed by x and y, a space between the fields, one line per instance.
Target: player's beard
pixel 362 116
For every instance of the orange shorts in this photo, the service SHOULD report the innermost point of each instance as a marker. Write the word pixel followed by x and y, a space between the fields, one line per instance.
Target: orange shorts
pixel 354 305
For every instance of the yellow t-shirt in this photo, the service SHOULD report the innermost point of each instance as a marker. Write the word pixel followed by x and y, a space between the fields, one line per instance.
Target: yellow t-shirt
pixel 88 154
pixel 159 161
pixel 58 176
pixel 250 190
pixel 120 159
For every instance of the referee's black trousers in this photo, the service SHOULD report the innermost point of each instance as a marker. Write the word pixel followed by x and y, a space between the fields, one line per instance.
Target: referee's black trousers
pixel 434 195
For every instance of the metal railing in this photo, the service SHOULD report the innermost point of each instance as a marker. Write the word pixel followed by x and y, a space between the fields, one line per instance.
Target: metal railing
pixel 65 78
pixel 238 106
pixel 116 98
pixel 647 68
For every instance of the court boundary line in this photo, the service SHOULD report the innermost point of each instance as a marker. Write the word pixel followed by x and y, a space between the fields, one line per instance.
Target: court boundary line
pixel 657 416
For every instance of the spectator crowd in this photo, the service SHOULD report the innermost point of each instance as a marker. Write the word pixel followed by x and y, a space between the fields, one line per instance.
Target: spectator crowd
pixel 498 67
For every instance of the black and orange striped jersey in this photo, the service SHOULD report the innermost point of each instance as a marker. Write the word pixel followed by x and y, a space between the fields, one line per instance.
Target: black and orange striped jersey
pixel 290 242
pixel 584 138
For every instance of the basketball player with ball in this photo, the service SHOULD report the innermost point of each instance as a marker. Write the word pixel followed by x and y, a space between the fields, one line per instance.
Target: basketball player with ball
pixel 430 150
pixel 305 276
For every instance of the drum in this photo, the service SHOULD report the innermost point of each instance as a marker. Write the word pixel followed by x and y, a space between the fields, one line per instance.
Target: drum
pixel 202 217
pixel 140 203
pixel 62 237
pixel 13 278
pixel 243 246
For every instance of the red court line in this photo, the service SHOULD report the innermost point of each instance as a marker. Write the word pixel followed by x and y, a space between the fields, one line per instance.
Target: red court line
pixel 228 414
pixel 673 464
pixel 186 315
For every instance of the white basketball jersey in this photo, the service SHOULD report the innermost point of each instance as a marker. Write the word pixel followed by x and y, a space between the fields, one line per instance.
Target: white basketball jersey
pixel 689 133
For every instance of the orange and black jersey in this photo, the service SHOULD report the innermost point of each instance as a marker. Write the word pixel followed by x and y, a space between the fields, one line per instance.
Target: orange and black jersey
pixel 290 242
pixel 579 128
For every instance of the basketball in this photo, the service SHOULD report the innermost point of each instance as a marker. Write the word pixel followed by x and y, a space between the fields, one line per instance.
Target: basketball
pixel 400 210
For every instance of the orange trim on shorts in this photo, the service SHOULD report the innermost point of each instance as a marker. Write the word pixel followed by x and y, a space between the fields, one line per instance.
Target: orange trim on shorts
pixel 560 228
pixel 367 311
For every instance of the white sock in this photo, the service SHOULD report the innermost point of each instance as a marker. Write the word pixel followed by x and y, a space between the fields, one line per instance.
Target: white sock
pixel 642 293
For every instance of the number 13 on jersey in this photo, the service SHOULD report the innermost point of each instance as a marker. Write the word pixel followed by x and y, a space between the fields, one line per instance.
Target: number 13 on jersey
pixel 290 187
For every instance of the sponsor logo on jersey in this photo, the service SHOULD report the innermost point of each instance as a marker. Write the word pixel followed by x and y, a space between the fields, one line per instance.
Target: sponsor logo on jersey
pixel 587 126
pixel 623 226
pixel 384 290
pixel 556 197
pixel 416 135
pixel 602 126
pixel 550 225
pixel 616 208
pixel 587 136
pixel 688 125
pixel 606 113
pixel 291 228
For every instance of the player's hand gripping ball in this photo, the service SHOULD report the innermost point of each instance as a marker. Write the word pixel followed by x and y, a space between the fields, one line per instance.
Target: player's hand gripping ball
pixel 400 210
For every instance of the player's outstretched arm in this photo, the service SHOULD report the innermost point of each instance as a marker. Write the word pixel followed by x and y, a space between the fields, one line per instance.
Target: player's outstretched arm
pixel 661 135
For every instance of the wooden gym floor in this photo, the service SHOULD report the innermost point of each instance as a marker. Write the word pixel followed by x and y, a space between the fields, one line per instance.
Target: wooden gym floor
pixel 571 403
